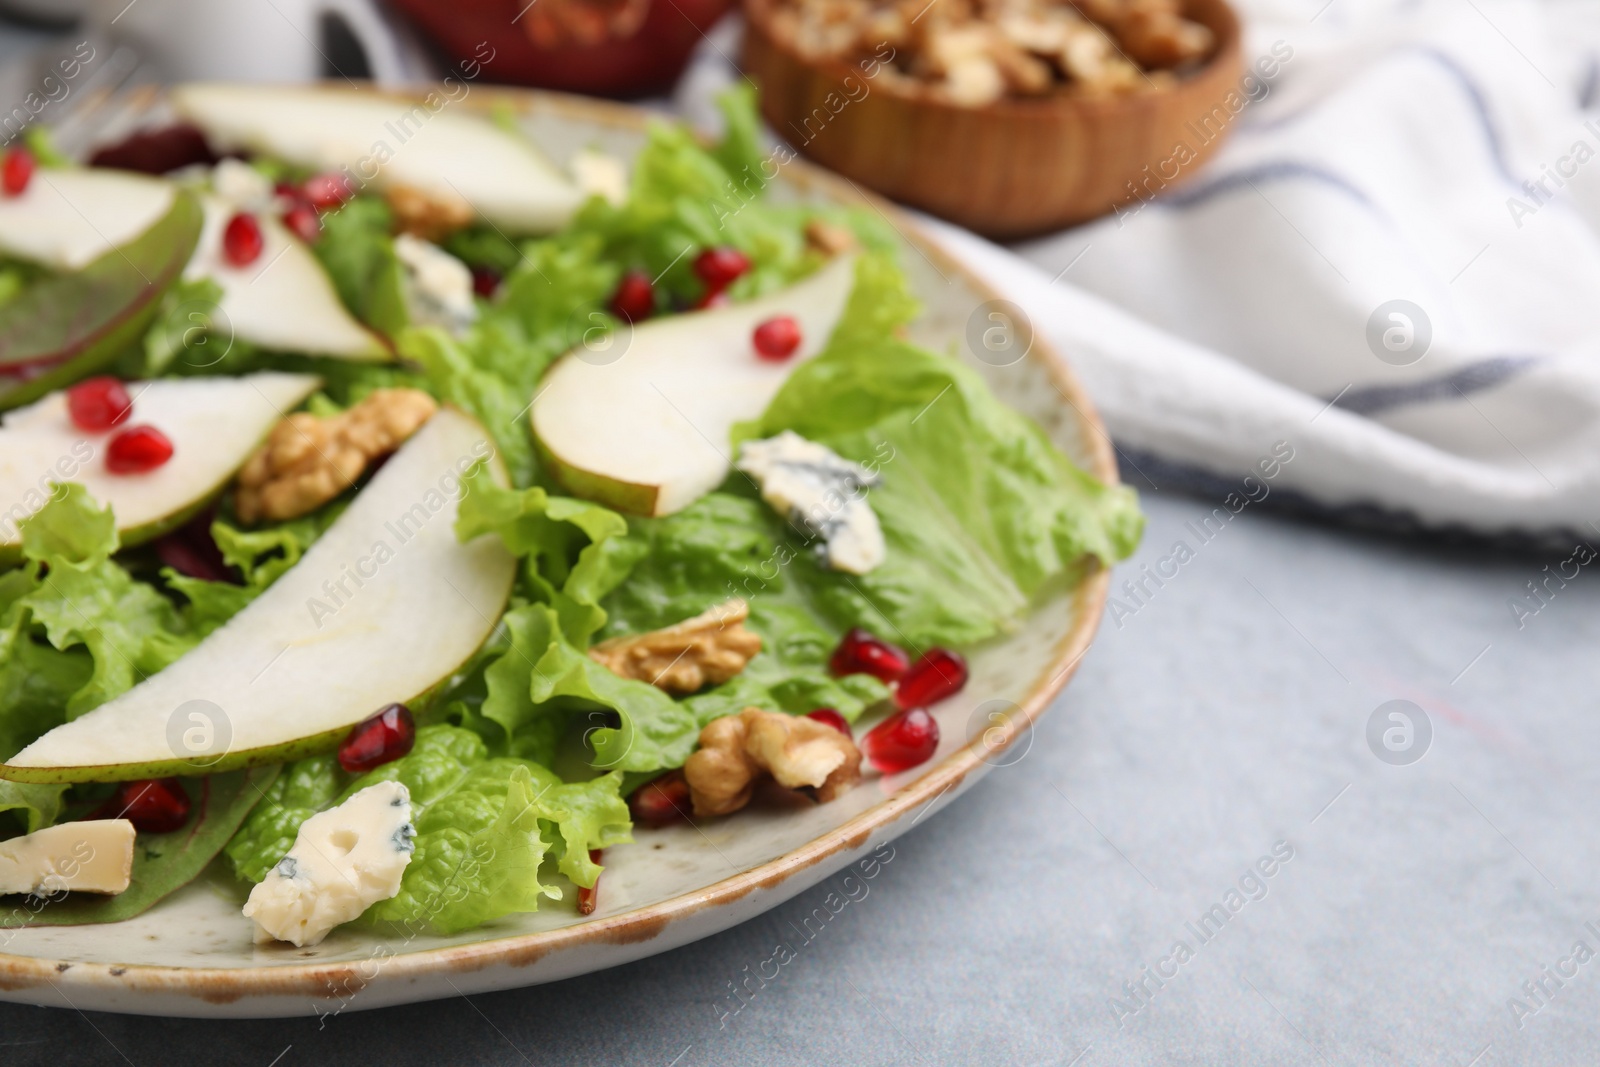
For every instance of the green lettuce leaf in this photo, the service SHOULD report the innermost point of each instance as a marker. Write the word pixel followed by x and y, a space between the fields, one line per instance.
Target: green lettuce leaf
pixel 81 597
pixel 574 552
pixel 33 806
pixel 485 827
pixel 303 789
pixel 358 253
pixel 980 511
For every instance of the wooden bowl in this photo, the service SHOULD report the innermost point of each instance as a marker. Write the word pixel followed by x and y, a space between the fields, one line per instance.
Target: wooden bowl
pixel 1014 168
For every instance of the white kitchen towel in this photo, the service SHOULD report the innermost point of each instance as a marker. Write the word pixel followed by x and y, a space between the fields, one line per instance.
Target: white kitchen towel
pixel 1392 264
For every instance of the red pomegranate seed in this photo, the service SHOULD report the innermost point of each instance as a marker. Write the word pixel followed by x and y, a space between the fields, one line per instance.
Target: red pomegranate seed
pixel 154 806
pixel 16 171
pixel 97 404
pixel 635 297
pixel 303 222
pixel 661 802
pixel 137 450
pixel 777 338
pixel 832 718
pixel 590 897
pixel 378 739
pixel 485 281
pixel 940 673
pixel 242 240
pixel 861 653
pixel 711 298
pixel 720 267
pixel 902 741
pixel 328 190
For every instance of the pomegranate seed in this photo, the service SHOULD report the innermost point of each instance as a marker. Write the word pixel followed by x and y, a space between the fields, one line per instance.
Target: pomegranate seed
pixel 378 739
pixel 777 338
pixel 711 298
pixel 720 267
pixel 635 297
pixel 861 653
pixel 154 806
pixel 590 897
pixel 327 190
pixel 832 718
pixel 242 240
pixel 303 222
pixel 137 450
pixel 97 404
pixel 485 281
pixel 16 171
pixel 902 741
pixel 940 673
pixel 661 802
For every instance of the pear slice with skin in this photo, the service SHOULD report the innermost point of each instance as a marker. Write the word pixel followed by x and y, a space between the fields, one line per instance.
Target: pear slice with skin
pixel 64 326
pixel 647 431
pixel 382 608
pixel 67 218
pixel 433 145
pixel 284 300
pixel 214 425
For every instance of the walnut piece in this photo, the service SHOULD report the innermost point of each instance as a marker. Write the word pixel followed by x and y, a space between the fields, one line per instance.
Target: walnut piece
pixel 829 238
pixel 307 461
pixel 737 751
pixel 683 658
pixel 429 215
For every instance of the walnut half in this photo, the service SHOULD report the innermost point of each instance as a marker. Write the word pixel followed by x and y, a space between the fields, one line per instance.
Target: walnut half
pixel 307 461
pixel 737 751
pixel 683 658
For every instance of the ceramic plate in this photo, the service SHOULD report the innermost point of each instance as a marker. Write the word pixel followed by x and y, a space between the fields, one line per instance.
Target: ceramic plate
pixel 193 955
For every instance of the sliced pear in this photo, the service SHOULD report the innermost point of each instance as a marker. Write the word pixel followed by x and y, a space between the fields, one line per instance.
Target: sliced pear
pixel 648 432
pixel 443 150
pixel 381 608
pixel 66 219
pixel 284 300
pixel 214 424
pixel 66 325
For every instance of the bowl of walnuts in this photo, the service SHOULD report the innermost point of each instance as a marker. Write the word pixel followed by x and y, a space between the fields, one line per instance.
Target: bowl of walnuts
pixel 1008 117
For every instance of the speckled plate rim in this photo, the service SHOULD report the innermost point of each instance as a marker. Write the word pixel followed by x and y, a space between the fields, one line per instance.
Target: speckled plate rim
pixel 127 984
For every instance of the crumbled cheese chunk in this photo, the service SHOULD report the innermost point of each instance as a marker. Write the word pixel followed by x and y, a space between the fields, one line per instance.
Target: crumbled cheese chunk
pixel 438 286
pixel 343 861
pixel 241 185
pixel 822 493
pixel 598 174
pixel 93 856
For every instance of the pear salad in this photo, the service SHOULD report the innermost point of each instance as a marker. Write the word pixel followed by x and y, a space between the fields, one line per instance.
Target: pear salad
pixel 385 535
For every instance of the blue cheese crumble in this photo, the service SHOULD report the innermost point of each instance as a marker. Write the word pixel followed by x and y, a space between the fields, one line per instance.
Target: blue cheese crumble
pixel 821 493
pixel 344 860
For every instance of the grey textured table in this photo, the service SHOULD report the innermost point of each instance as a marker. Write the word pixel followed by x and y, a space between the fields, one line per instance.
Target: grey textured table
pixel 1226 714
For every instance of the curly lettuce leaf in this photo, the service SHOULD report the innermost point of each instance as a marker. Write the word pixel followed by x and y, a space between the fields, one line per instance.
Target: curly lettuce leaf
pixel 32 807
pixel 485 828
pixel 574 552
pixel 981 513
pixel 82 598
